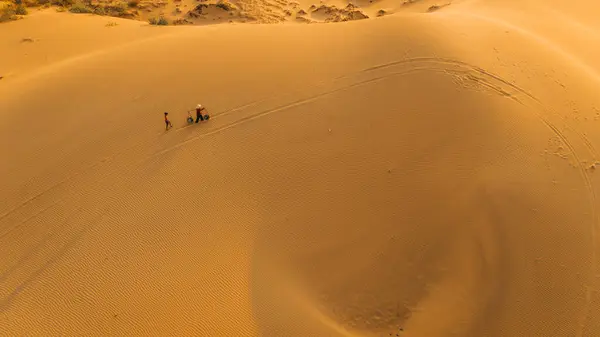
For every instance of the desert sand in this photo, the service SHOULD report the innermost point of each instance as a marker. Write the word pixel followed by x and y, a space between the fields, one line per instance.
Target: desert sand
pixel 429 172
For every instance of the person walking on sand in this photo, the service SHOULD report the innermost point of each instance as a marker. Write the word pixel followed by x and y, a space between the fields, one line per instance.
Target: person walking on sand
pixel 167 122
pixel 199 109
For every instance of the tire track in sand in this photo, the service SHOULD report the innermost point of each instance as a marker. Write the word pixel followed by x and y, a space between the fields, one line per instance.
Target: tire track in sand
pixel 464 73
pixel 461 71
pixel 486 79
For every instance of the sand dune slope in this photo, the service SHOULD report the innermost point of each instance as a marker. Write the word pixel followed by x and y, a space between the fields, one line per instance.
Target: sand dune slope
pixel 414 175
pixel 45 39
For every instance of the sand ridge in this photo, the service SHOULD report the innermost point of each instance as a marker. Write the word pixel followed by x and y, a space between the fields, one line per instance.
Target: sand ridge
pixel 211 12
pixel 418 174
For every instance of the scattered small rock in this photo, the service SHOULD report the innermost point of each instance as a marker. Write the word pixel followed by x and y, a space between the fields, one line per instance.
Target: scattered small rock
pixel 27 39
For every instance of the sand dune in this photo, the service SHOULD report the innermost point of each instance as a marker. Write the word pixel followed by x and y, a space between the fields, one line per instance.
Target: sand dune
pixel 425 173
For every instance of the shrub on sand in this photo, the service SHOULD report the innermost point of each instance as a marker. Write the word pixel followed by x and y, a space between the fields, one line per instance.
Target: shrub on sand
pixel 80 8
pixel 99 11
pixel 7 13
pixel 116 9
pixel 63 3
pixel 161 21
pixel 21 10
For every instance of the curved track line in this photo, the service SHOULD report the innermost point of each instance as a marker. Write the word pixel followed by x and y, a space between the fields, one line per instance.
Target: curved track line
pixel 62 251
pixel 265 113
pixel 465 72
pixel 36 214
pixel 47 190
pixel 34 198
pixel 225 112
pixel 559 134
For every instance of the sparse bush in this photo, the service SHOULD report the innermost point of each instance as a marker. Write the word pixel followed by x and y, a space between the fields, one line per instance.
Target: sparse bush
pixel 161 21
pixel 21 10
pixel 7 13
pixel 79 8
pixel 31 3
pixel 182 21
pixel 63 3
pixel 99 11
pixel 133 3
pixel 115 9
